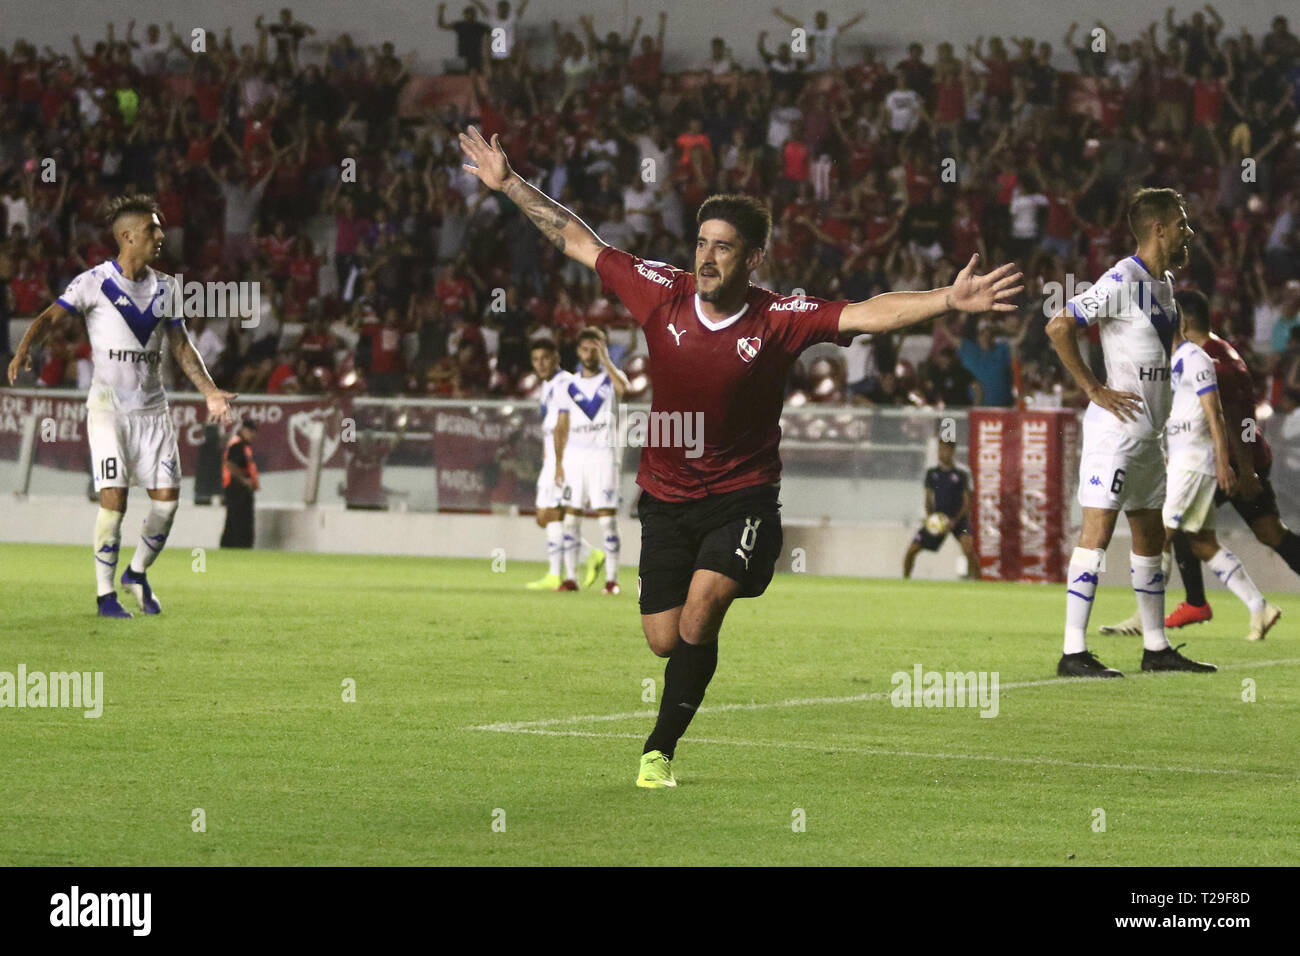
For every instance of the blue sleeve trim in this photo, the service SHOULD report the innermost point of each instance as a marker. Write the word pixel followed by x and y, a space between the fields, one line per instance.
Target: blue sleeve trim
pixel 175 323
pixel 67 305
pixel 1079 317
pixel 1208 388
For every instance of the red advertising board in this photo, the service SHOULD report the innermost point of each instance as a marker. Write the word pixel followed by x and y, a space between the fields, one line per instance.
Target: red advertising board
pixel 282 434
pixel 1024 465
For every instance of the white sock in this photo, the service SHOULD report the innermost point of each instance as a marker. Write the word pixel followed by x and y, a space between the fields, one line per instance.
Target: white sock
pixel 1227 568
pixel 157 525
pixel 108 540
pixel 572 541
pixel 1149 588
pixel 1085 567
pixel 609 525
pixel 554 546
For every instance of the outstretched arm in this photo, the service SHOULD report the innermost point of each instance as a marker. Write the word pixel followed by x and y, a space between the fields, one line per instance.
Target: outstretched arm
pixel 191 363
pixel 565 230
pixel 969 293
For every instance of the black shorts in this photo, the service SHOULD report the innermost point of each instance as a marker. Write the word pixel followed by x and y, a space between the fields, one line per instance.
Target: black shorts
pixel 932 542
pixel 737 533
pixel 1262 505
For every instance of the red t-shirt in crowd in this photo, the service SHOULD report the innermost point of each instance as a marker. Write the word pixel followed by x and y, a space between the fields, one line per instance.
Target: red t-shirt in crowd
pixel 688 141
pixel 949 102
pixel 172 204
pixel 1060 215
pixel 277 249
pixel 385 347
pixel 283 372
pixel 305 273
pixel 31 294
pixel 795 166
pixel 729 375
pixel 1207 101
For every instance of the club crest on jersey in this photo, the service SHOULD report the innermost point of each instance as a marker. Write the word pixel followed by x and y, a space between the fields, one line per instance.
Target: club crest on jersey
pixel 748 347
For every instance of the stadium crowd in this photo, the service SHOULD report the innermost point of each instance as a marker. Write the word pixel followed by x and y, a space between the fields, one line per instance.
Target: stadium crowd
pixel 881 176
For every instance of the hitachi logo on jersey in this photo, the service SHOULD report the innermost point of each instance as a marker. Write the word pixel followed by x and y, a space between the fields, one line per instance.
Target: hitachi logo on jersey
pixel 1159 373
pixel 797 304
pixel 653 276
pixel 1175 428
pixel 127 355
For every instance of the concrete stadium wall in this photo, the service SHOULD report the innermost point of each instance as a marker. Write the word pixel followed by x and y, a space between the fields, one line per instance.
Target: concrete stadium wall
pixel 842 550
pixel 413 26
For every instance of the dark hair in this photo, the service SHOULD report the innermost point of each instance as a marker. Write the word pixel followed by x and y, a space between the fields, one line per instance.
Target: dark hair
pixel 1195 307
pixel 750 216
pixel 592 332
pixel 119 206
pixel 1151 206
pixel 547 345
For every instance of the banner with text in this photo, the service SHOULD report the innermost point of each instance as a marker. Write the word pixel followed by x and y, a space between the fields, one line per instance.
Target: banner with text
pixel 282 444
pixel 1025 467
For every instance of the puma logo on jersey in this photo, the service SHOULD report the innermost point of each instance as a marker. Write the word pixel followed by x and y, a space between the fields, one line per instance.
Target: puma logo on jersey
pixel 677 336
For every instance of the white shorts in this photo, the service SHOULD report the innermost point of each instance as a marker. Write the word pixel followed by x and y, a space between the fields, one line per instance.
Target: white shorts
pixel 1189 505
pixel 591 484
pixel 1120 473
pixel 137 448
pixel 549 494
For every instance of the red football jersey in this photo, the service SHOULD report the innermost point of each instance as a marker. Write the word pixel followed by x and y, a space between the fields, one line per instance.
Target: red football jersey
pixel 1237 395
pixel 731 372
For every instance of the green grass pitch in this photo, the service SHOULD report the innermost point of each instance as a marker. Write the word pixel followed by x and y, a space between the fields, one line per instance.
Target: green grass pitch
pixel 232 702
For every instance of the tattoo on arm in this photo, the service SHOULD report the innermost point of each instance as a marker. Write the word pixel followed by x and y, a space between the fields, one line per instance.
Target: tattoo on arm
pixel 548 215
pixel 191 362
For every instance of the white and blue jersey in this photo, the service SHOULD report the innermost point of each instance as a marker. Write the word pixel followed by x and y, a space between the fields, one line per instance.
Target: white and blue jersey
pixel 126 321
pixel 1138 317
pixel 1191 444
pixel 590 401
pixel 552 403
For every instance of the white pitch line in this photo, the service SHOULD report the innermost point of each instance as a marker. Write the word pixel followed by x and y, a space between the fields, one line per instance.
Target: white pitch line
pixel 519 726
pixel 880 752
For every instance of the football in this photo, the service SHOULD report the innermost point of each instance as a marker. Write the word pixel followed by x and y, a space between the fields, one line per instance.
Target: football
pixel 937 523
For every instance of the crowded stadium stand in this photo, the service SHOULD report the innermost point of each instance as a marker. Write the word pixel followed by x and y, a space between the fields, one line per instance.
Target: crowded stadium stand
pixel 327 172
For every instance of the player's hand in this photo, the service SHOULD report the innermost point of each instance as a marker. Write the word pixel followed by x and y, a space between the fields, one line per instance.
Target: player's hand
pixel 21 361
pixel 1248 485
pixel 219 408
pixel 1227 478
pixel 488 160
pixel 1123 405
pixel 987 293
pixel 559 476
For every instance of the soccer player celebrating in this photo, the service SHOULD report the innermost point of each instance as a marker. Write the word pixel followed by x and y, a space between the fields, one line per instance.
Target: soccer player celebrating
pixel 1122 465
pixel 555 433
pixel 129 310
pixel 947 492
pixel 591 457
pixel 1204 387
pixel 720 351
